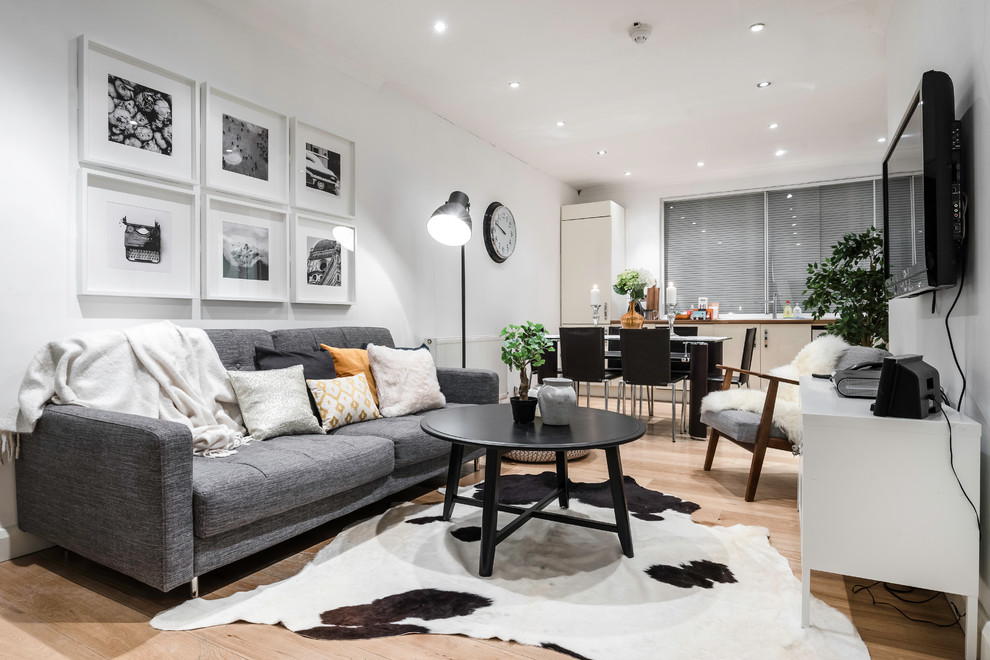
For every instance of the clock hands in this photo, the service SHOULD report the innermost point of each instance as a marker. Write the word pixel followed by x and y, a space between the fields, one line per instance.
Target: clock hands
pixel 500 227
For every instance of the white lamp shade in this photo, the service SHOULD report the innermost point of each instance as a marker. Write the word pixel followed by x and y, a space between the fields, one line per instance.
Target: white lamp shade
pixel 449 229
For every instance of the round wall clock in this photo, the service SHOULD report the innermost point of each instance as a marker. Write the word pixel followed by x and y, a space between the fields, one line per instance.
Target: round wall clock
pixel 500 232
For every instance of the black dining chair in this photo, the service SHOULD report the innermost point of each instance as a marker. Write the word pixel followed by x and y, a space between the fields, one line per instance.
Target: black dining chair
pixel 746 363
pixel 646 363
pixel 686 331
pixel 582 359
pixel 549 367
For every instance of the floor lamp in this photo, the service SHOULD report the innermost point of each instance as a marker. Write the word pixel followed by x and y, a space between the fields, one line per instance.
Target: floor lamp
pixel 451 225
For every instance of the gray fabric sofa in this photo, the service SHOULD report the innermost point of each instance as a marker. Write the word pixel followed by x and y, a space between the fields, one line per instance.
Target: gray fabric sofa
pixel 127 491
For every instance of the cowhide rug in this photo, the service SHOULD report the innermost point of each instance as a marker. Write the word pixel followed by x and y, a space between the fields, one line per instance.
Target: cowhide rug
pixel 690 592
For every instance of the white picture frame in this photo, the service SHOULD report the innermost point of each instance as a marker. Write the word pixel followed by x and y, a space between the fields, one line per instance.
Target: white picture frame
pixel 244 253
pixel 136 117
pixel 136 238
pixel 323 260
pixel 314 151
pixel 245 147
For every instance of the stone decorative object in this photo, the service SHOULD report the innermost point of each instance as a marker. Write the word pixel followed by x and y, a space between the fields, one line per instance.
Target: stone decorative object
pixel 557 401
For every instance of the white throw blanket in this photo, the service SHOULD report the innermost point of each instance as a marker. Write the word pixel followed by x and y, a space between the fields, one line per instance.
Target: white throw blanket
pixel 818 357
pixel 155 370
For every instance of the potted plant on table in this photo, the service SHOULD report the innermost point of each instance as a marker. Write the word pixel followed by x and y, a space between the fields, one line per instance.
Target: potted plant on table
pixel 523 347
pixel 633 282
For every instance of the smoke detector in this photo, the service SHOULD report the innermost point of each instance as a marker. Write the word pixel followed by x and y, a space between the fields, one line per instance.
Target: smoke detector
pixel 640 32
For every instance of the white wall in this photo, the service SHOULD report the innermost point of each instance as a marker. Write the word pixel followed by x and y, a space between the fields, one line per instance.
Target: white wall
pixel 408 161
pixel 951 36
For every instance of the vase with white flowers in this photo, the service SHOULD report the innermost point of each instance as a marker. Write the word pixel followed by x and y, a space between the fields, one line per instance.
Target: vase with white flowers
pixel 633 282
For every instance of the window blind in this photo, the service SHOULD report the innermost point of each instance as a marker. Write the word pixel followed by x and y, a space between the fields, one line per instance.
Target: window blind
pixel 714 248
pixel 720 247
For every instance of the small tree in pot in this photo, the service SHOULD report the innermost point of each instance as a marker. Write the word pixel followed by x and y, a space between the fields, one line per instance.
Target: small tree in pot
pixel 851 284
pixel 522 348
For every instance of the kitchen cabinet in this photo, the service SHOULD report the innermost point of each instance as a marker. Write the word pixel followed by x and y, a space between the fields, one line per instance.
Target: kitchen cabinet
pixel 592 252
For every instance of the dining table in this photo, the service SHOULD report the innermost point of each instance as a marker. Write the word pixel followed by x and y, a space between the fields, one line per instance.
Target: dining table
pixel 696 356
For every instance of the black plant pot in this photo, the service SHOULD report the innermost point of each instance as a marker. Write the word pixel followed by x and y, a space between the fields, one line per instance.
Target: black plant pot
pixel 523 412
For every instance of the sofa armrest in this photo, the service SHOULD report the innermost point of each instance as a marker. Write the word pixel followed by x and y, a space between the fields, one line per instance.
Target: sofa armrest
pixel 112 487
pixel 468 385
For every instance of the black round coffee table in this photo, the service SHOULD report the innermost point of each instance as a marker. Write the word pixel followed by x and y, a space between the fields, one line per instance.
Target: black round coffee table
pixel 491 426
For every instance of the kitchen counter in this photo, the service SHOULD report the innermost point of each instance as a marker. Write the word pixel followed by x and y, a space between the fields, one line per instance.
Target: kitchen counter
pixel 738 320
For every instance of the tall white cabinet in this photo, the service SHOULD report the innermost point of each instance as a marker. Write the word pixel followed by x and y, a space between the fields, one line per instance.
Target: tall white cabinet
pixel 592 251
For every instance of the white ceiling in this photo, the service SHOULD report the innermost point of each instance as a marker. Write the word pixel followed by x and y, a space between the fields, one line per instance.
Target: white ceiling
pixel 686 95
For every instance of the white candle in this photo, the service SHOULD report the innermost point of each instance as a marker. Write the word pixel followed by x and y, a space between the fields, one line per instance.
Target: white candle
pixel 671 294
pixel 596 295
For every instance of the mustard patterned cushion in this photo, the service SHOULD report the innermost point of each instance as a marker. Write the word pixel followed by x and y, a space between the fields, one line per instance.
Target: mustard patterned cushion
pixel 344 401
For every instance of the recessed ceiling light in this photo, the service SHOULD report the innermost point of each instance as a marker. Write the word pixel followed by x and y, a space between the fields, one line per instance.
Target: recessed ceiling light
pixel 789 195
pixel 627 173
pixel 703 231
pixel 701 163
pixel 602 152
pixel 757 27
pixel 439 27
pixel 797 244
pixel 514 84
pixel 779 152
pixel 560 123
pixel 793 217
pixel 693 223
pixel 764 83
pixel 773 125
pixel 883 139
pixel 793 224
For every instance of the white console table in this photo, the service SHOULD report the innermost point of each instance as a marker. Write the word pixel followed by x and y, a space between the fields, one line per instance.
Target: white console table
pixel 879 501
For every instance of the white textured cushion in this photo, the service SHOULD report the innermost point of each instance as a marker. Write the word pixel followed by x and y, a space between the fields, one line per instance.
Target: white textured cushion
pixel 407 380
pixel 345 400
pixel 274 402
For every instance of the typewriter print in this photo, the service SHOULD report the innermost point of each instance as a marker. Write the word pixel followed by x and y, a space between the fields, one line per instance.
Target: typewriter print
pixel 138 238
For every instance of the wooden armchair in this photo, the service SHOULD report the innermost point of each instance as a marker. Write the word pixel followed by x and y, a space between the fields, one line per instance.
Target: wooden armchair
pixel 751 431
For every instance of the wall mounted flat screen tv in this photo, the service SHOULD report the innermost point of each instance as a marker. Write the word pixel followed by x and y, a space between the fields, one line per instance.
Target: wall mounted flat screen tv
pixel 922 193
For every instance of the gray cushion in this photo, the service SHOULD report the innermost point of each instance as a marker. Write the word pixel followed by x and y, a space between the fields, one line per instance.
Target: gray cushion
pixel 236 347
pixel 267 478
pixel 859 354
pixel 740 425
pixel 309 339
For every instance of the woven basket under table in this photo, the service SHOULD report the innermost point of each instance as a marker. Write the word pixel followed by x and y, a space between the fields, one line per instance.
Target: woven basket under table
pixel 529 456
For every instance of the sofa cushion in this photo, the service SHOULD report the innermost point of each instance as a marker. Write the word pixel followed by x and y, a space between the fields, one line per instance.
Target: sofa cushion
pixel 316 364
pixel 411 443
pixel 264 479
pixel 236 348
pixel 351 362
pixel 343 401
pixel 274 402
pixel 309 339
pixel 406 380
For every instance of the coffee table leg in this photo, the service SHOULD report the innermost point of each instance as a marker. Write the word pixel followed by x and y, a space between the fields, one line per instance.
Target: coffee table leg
pixel 565 497
pixel 618 486
pixel 453 478
pixel 489 511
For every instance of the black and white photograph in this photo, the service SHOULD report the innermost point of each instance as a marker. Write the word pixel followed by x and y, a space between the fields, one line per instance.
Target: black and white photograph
pixel 136 117
pixel 139 116
pixel 245 252
pixel 323 262
pixel 245 148
pixel 322 169
pixel 138 238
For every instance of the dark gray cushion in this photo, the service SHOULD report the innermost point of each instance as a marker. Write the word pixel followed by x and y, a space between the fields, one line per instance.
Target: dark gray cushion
pixel 309 339
pixel 740 425
pixel 412 444
pixel 236 348
pixel 468 385
pixel 267 478
pixel 859 354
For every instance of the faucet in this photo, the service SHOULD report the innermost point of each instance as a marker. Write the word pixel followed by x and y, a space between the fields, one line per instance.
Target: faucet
pixel 773 304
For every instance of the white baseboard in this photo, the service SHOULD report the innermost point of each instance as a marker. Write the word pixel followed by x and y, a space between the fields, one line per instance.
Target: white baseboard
pixel 15 543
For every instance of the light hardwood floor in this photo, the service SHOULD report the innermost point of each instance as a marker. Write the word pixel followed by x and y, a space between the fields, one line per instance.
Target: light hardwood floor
pixel 51 606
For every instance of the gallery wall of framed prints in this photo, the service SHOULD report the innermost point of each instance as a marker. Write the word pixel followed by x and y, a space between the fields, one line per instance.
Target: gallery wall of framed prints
pixel 322 263
pixel 187 190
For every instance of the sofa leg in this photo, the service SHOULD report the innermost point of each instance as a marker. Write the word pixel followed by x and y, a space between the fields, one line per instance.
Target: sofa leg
pixel 712 444
pixel 194 588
